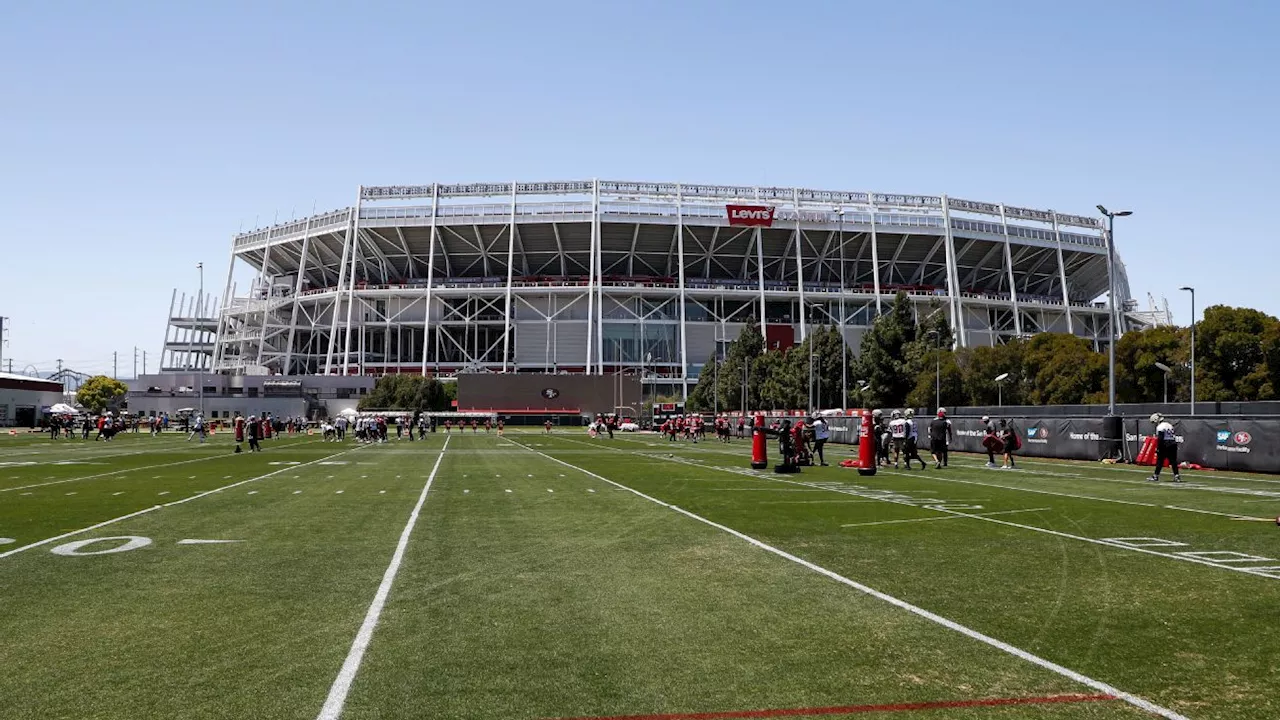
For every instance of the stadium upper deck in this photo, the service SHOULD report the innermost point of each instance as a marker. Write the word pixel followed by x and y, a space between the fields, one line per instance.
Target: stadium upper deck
pixel 602 275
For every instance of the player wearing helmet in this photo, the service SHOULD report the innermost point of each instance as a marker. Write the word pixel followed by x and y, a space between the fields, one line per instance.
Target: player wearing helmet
pixel 989 431
pixel 1166 447
pixel 898 432
pixel 913 440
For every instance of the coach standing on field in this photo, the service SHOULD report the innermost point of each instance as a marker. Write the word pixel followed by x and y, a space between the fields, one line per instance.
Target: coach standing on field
pixel 940 438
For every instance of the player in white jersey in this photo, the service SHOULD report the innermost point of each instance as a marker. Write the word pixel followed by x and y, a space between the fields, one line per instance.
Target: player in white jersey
pixel 913 440
pixel 898 435
pixel 1166 447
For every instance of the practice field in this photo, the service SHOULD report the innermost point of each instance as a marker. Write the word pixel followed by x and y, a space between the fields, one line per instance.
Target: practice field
pixel 551 577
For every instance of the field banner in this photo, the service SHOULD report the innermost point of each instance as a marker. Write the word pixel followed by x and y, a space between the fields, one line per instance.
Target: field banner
pixel 1220 443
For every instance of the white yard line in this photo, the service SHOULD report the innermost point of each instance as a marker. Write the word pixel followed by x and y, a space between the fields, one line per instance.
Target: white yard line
pixel 158 507
pixel 123 471
pixel 1098 685
pixel 332 708
pixel 944 517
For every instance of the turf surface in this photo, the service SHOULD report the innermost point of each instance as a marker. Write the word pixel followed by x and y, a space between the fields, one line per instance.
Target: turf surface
pixel 561 577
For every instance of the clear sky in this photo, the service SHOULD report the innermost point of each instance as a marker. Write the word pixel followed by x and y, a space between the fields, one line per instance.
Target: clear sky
pixel 136 138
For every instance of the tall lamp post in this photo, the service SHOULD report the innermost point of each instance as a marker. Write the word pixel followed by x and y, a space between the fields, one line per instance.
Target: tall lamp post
pixel 1193 346
pixel 1165 369
pixel 1000 388
pixel 1111 304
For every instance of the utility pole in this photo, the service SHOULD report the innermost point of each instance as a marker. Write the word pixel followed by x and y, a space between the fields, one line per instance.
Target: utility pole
pixel 115 365
pixel 3 340
pixel 135 362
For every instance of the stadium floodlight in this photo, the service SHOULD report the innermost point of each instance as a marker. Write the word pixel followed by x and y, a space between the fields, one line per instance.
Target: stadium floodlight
pixel 1111 305
pixel 1000 388
pixel 1166 370
pixel 1193 345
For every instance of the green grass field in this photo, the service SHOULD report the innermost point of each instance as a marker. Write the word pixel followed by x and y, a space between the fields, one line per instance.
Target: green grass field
pixel 535 577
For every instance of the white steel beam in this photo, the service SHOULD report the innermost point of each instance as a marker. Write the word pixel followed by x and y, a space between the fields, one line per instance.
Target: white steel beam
pixel 297 289
pixel 511 253
pixel 1062 274
pixel 342 276
pixel 684 345
pixel 804 329
pixel 431 277
pixel 875 255
pixel 1008 263
pixel 958 333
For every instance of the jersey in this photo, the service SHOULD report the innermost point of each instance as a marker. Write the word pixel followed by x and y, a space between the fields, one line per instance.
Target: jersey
pixel 1164 433
pixel 898 428
pixel 940 431
pixel 913 432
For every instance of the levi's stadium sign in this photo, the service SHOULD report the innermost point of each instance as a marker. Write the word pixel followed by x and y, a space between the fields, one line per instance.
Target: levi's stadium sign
pixel 750 215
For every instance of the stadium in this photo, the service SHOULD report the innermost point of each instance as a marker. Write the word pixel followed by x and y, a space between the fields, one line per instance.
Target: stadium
pixel 600 277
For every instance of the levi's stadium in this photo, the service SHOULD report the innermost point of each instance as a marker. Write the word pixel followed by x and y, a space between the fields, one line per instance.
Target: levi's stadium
pixel 598 277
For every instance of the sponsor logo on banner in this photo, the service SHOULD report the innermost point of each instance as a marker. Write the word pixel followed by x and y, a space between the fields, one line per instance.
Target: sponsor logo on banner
pixel 1233 443
pixel 1038 435
pixel 550 393
pixel 750 215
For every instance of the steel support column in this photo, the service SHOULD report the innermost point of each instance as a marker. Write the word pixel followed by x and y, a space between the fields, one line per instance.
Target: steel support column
pixel 1008 264
pixel 297 289
pixel 684 356
pixel 958 333
pixel 804 329
pixel 511 255
pixel 431 275
pixel 1062 275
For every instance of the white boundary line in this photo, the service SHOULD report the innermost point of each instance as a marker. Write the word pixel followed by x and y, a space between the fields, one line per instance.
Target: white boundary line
pixel 153 508
pixel 1019 653
pixel 332 708
pixel 127 470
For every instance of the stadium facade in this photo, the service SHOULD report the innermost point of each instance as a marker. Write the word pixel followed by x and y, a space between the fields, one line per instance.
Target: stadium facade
pixel 603 276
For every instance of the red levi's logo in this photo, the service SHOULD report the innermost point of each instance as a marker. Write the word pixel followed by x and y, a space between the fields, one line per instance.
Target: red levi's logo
pixel 750 215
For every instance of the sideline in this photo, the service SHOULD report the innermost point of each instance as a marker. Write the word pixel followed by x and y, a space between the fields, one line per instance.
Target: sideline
pixel 337 698
pixel 1098 685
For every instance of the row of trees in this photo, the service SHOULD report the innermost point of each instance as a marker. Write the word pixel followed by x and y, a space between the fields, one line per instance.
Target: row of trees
pixel 409 392
pixel 908 363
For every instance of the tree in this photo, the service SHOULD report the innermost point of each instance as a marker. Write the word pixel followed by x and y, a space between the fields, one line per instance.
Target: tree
pixel 981 365
pixel 409 392
pixel 883 360
pixel 1061 369
pixel 945 375
pixel 1231 361
pixel 1138 379
pixel 100 392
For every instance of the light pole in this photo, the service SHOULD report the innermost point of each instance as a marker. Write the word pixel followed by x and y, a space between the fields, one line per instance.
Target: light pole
pixel 937 369
pixel 1193 346
pixel 1111 305
pixel 1165 369
pixel 1000 388
pixel 199 312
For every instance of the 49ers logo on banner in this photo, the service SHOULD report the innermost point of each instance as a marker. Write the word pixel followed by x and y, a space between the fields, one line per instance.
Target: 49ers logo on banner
pixel 750 215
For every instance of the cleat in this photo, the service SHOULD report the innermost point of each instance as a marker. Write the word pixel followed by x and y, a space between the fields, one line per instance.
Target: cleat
pixel 1153 478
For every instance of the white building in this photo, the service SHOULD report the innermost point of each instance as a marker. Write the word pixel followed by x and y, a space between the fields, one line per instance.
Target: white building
pixel 25 400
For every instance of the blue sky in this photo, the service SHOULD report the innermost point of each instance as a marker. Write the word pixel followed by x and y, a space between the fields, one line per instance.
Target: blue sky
pixel 136 138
